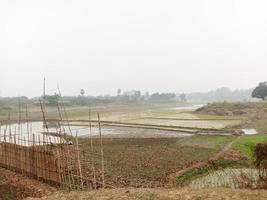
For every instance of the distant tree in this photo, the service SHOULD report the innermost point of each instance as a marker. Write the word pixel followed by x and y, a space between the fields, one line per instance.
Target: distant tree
pixel 119 92
pixel 183 97
pixel 146 96
pixel 137 94
pixel 51 100
pixel 82 92
pixel 162 97
pixel 260 91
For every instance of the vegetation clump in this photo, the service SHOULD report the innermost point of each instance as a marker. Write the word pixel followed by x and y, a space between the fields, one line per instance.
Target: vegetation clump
pixel 260 91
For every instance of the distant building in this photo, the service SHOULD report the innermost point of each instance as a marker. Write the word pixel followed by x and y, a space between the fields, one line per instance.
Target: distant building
pixel 130 93
pixel 133 94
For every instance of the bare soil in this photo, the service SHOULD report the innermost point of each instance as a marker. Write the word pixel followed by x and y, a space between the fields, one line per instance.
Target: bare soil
pixel 148 162
pixel 16 186
pixel 161 194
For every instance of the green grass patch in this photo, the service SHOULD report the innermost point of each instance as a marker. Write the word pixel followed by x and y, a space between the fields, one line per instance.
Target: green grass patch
pixel 246 144
pixel 206 141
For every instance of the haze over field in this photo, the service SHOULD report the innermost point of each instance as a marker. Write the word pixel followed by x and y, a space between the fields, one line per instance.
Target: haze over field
pixel 173 46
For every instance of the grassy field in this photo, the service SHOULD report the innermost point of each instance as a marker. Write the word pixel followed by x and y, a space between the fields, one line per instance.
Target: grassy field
pixel 246 144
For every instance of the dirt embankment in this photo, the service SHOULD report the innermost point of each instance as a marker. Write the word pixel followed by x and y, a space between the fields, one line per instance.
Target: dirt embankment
pixel 253 114
pixel 16 186
pixel 232 109
pixel 162 194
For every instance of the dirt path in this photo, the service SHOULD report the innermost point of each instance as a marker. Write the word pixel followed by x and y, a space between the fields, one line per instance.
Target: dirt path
pixel 172 177
pixel 160 194
pixel 20 186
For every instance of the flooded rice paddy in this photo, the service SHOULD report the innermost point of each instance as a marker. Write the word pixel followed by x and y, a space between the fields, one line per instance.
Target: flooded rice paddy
pixel 18 134
pixel 142 126
pixel 230 178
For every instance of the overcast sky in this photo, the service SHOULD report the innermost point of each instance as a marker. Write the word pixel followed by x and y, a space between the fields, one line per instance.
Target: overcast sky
pixel 150 45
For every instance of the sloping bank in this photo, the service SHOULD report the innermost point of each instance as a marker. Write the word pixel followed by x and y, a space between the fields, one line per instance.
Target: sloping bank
pixel 161 194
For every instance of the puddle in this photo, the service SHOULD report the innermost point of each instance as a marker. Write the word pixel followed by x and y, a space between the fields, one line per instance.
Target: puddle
pixel 251 131
pixel 193 107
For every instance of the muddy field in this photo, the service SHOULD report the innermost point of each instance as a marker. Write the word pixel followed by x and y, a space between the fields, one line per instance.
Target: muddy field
pixel 147 162
pixel 148 146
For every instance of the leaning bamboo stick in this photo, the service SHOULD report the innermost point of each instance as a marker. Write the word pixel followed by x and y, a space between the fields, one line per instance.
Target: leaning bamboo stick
pixel 64 110
pixel 44 120
pixel 61 125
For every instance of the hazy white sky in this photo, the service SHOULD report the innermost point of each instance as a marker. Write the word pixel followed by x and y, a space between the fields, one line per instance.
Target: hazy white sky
pixel 102 45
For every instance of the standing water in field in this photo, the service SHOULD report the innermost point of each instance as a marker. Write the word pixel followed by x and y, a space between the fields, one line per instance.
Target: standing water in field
pixel 251 131
pixel 28 134
pixel 19 134
pixel 10 133
pixel 188 108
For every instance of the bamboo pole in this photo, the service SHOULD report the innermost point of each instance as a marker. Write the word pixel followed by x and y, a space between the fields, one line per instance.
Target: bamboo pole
pixel 25 156
pixel 33 171
pixel 102 152
pixel 44 95
pixel 44 121
pixel 64 110
pixel 92 151
pixel 27 122
pixel 39 159
pixel 9 125
pixel 79 162
pixel 19 125
pixel 9 141
pixel 4 151
pixel 59 167
pixel 61 125
pixel 14 156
